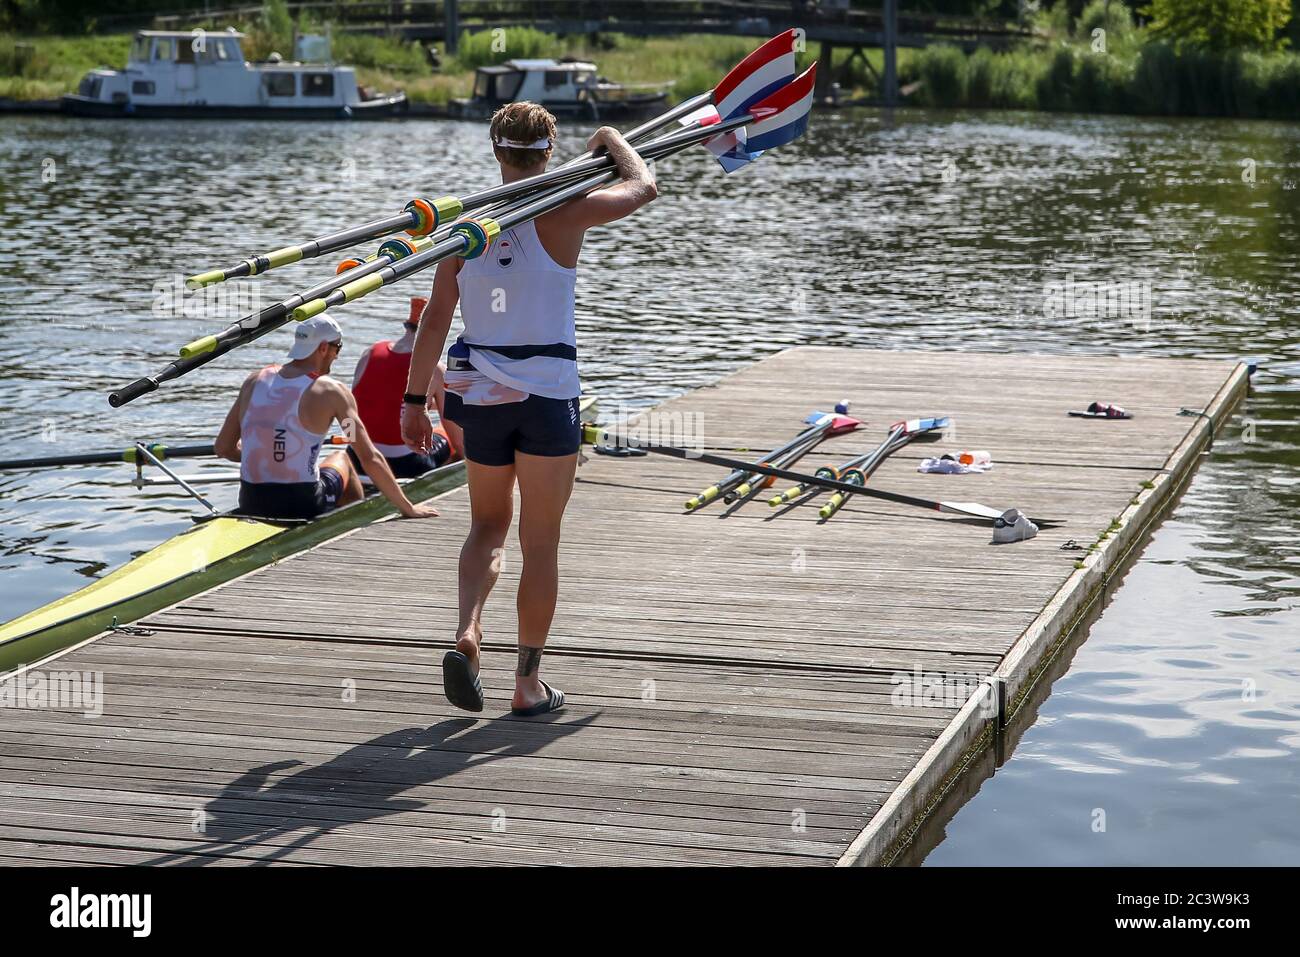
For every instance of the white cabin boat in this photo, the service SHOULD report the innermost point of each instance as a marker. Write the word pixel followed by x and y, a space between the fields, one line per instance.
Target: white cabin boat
pixel 568 88
pixel 198 74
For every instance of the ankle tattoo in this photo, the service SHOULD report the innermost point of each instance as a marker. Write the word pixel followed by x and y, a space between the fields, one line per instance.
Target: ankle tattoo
pixel 529 661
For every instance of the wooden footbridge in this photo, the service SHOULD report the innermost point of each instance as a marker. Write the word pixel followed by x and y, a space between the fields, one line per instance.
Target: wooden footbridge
pixel 830 23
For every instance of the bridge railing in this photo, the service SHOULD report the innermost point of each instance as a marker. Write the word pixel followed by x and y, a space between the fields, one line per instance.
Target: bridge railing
pixel 807 13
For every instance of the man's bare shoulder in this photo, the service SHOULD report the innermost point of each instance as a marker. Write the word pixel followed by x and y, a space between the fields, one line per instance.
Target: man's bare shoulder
pixel 328 385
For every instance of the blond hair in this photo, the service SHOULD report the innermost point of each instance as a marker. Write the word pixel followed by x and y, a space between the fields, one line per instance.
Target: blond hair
pixel 523 122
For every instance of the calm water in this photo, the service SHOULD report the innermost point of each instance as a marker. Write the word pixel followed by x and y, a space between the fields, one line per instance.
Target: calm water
pixel 921 231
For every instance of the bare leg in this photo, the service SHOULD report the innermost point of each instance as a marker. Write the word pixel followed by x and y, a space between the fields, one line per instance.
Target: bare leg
pixel 492 504
pixel 353 490
pixel 545 483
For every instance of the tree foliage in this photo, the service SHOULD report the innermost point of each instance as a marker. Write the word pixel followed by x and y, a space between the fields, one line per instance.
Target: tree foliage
pixel 1220 25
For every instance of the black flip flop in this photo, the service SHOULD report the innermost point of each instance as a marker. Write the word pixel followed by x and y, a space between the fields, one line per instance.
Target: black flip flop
pixel 553 701
pixel 460 684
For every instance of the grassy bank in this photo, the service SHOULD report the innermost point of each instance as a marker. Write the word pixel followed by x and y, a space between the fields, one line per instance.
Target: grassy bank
pixel 41 68
pixel 1103 63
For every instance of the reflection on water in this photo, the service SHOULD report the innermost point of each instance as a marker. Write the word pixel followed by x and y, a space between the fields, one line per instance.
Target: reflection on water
pixel 1180 716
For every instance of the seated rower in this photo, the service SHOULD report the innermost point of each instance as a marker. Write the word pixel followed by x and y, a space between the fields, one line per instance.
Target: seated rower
pixel 379 384
pixel 278 423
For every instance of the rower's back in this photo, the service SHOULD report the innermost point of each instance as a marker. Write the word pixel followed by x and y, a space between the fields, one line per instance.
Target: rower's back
pixel 278 446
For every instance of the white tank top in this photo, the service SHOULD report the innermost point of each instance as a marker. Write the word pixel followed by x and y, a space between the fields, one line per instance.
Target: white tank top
pixel 517 305
pixel 276 446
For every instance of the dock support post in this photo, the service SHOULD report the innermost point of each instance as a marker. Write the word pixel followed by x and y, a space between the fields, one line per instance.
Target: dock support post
pixel 889 93
pixel 451 26
pixel 825 70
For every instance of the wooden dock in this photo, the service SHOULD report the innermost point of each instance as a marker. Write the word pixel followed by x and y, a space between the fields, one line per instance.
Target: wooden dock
pixel 735 685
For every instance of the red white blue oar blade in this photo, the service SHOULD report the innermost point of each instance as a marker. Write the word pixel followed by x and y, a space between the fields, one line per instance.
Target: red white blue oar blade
pixel 779 118
pixel 915 426
pixel 758 76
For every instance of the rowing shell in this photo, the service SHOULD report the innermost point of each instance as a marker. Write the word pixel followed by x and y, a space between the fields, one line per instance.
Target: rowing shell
pixel 215 551
pixel 212 553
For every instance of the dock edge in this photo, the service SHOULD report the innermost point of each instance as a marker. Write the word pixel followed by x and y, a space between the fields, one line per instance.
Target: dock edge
pixel 999 697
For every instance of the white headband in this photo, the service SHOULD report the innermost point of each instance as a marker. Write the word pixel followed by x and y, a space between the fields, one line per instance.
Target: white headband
pixel 543 144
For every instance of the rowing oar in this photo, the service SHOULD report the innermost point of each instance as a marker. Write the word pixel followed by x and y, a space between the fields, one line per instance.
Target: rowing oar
pixel 818 423
pixel 867 462
pixel 420 218
pixel 784 115
pixel 754 482
pixel 252 327
pixel 594 435
pixel 771 65
pixel 781 117
pixel 900 434
pixel 99 458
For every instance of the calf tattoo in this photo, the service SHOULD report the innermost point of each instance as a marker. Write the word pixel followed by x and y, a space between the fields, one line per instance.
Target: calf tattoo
pixel 529 660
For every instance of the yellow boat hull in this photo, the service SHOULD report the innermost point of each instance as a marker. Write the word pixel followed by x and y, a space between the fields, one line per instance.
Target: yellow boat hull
pixel 192 562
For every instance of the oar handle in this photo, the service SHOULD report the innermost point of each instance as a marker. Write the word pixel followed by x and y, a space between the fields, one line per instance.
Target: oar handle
pixel 789 495
pixel 704 498
pixel 850 477
pixel 132 391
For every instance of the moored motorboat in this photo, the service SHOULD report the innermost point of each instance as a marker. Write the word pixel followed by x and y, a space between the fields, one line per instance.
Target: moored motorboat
pixel 197 74
pixel 568 88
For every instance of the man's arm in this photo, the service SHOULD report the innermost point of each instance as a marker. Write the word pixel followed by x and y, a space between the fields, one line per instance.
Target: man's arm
pixel 344 407
pixel 227 444
pixel 435 323
pixel 635 188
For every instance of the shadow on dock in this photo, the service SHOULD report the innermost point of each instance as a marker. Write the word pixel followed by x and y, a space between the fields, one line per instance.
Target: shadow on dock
pixel 364 783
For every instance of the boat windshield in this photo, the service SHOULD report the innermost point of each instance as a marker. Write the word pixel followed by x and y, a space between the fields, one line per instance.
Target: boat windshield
pixel 139 49
pixel 497 86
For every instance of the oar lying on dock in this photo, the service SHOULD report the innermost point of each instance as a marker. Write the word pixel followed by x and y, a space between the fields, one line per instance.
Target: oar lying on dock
pixel 595 435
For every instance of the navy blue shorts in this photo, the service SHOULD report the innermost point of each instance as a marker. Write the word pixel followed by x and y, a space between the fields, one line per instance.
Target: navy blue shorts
pixel 414 464
pixel 536 426
pixel 292 499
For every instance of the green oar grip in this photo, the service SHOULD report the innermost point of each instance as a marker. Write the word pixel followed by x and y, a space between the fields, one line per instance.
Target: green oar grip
pixel 205 279
pixel 704 498
pixel 309 309
pixel 833 506
pixel 280 257
pixel 350 291
pixel 361 287
pixel 789 495
pixel 198 347
pixel 853 477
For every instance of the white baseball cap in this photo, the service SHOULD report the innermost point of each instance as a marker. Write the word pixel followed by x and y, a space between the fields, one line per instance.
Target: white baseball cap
pixel 311 333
